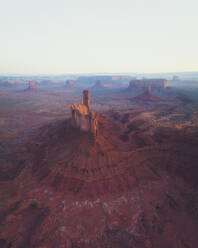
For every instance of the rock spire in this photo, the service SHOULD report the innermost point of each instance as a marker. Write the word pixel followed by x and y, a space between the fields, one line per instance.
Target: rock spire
pixel 82 117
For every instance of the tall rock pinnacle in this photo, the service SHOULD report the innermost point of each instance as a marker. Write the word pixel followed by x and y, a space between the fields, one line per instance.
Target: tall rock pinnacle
pixel 82 117
pixel 86 98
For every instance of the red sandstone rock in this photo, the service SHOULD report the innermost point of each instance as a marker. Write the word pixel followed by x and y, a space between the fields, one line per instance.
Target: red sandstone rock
pixel 73 193
pixel 61 190
pixel 82 117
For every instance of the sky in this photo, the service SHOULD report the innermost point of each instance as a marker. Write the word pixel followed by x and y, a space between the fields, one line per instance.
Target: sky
pixel 98 36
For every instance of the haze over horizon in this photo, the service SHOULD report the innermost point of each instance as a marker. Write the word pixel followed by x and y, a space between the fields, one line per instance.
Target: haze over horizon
pixel 60 37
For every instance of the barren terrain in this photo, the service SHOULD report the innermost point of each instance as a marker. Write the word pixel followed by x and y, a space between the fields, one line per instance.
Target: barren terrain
pixel 135 186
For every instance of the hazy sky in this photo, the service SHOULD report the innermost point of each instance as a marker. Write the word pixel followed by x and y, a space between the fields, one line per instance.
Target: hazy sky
pixel 76 36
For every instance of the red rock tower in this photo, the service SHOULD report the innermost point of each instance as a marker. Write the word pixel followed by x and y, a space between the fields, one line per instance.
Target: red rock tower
pixel 82 117
pixel 86 98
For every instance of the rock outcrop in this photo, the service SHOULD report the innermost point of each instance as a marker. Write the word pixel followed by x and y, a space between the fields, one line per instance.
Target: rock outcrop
pixel 82 117
pixel 154 84
pixel 31 86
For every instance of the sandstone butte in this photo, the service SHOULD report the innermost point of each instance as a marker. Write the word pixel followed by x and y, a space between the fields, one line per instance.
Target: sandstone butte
pixel 158 84
pixel 98 86
pixel 147 96
pixel 31 86
pixel 82 117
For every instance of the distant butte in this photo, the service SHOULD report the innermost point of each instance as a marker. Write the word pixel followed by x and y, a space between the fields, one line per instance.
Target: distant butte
pixel 147 96
pixel 32 86
pixel 98 86
pixel 154 84
pixel 82 117
pixel 69 84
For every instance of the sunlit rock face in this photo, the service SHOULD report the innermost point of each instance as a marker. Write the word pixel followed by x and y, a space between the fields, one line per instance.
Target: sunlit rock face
pixel 82 117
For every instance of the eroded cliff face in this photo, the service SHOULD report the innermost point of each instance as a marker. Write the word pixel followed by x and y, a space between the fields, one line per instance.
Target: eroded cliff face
pixel 82 117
